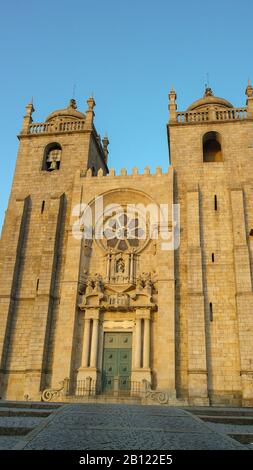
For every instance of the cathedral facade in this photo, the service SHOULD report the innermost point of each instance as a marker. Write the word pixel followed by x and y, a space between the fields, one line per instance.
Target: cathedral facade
pixel 100 293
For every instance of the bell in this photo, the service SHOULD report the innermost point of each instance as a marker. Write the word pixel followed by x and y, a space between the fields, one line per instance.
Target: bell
pixel 53 165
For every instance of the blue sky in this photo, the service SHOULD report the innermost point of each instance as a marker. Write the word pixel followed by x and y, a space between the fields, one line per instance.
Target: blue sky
pixel 128 54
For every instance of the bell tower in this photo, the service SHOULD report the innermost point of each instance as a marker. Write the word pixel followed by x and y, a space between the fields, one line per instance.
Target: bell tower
pixel 211 152
pixel 34 238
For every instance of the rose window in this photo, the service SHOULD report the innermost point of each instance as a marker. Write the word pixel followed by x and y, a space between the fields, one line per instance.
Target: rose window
pixel 123 232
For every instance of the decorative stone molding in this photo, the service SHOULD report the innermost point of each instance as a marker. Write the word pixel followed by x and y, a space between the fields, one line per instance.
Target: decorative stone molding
pixel 145 285
pixel 119 302
pixel 160 396
pixel 118 325
pixel 50 394
pixel 110 296
pixel 94 289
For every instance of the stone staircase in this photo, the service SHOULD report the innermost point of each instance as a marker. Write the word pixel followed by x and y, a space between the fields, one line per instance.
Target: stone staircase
pixel 234 422
pixel 17 419
pixel 103 399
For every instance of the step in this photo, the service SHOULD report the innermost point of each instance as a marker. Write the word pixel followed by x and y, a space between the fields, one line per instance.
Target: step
pixel 244 421
pixel 229 412
pixel 242 438
pixel 103 399
pixel 14 431
pixel 25 404
pixel 15 412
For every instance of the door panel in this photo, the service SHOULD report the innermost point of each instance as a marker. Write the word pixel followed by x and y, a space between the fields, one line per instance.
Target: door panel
pixel 117 360
pixel 124 362
pixel 110 340
pixel 125 340
pixel 110 361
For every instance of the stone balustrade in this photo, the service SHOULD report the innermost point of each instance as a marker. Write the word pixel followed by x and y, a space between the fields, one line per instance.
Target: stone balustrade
pixel 52 127
pixel 211 115
pixel 41 128
pixel 231 114
pixel 198 116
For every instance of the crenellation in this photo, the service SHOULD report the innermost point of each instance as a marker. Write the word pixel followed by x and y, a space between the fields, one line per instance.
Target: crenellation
pixel 123 172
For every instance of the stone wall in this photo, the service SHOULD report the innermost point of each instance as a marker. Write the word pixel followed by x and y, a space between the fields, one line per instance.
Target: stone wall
pixel 223 253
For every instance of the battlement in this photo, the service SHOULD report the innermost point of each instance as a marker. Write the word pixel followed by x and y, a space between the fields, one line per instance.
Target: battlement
pixel 123 173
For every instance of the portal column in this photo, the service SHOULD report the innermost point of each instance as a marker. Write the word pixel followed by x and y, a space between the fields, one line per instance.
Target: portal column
pixel 94 344
pixel 88 370
pixel 138 343
pixel 146 344
pixel 141 369
pixel 86 343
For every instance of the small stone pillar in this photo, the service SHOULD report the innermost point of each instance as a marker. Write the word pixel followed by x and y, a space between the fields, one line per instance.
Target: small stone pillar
pixel 27 118
pixel 90 112
pixel 249 102
pixel 172 105
pixel 105 147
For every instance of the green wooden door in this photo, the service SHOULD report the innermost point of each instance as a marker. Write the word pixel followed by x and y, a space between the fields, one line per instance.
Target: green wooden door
pixel 117 361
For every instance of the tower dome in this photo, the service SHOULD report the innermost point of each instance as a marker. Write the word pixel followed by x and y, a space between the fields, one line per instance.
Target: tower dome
pixel 209 100
pixel 70 112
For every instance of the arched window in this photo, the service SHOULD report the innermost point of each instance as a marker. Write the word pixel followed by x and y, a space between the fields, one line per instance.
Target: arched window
pixel 52 157
pixel 212 147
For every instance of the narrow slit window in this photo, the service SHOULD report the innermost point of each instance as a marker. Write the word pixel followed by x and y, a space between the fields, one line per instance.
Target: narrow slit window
pixel 42 207
pixel 211 311
pixel 37 286
pixel 212 257
pixel 215 203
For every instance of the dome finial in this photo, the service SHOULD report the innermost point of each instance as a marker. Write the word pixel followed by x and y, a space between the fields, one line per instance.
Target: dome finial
pixel 72 103
pixel 208 91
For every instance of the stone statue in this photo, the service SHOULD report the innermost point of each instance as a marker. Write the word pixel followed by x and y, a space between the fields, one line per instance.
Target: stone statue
pixel 120 267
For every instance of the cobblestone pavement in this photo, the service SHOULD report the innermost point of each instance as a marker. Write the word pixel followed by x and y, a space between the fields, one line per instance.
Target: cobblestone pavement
pixel 122 427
